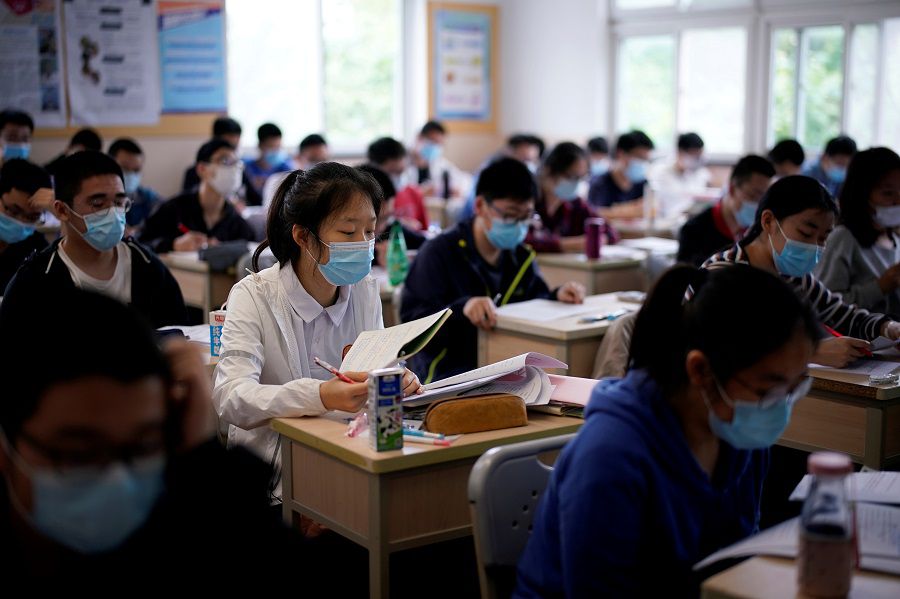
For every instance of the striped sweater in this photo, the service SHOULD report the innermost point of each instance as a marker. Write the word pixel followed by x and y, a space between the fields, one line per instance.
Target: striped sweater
pixel 847 319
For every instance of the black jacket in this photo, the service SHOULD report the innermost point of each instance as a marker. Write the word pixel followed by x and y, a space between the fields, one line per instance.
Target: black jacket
pixel 154 291
pixel 182 212
pixel 446 273
pixel 700 238
pixel 16 254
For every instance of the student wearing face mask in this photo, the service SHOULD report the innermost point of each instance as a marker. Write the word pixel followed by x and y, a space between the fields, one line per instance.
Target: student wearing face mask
pixel 144 201
pixel 598 153
pixel 19 239
pixel 724 223
pixel 84 139
pixel 476 266
pixel 91 205
pixel 387 216
pixel 390 156
pixel 831 169
pixel 788 157
pixel 862 258
pixel 687 173
pixel 272 158
pixel 619 191
pixel 562 213
pixel 670 463
pixel 16 129
pixel 432 170
pixel 521 146
pixel 788 237
pixel 313 303
pixel 204 217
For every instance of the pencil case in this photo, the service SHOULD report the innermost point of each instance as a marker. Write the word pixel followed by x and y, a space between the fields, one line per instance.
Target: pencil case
pixel 458 415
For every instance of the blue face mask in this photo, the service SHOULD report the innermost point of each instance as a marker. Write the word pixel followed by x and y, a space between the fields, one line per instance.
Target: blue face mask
pixel 566 190
pixel 507 236
pixel 599 167
pixel 796 259
pixel 104 228
pixel 12 151
pixel 430 151
pixel 746 215
pixel 636 170
pixel 274 158
pixel 348 262
pixel 836 174
pixel 132 181
pixel 13 231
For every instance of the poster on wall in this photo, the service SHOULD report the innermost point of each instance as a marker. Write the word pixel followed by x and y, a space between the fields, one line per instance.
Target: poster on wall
pixel 192 56
pixel 112 62
pixel 31 77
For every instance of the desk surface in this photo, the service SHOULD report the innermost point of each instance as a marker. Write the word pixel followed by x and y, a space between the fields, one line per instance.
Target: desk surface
pixel 568 329
pixel 619 258
pixel 328 436
pixel 854 385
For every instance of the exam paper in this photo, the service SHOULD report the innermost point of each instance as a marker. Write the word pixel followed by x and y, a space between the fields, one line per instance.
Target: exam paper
pixel 883 343
pixel 533 386
pixel 500 368
pixel 654 245
pixel 197 333
pixel 862 368
pixel 871 487
pixel 379 349
pixel 542 310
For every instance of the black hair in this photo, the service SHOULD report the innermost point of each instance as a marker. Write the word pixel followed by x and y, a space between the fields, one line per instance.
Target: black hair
pixel 866 171
pixel 520 139
pixel 124 144
pixel 206 151
pixel 668 326
pixel 841 145
pixel 312 140
pixel 506 179
pixel 632 141
pixel 95 351
pixel 383 149
pixel 433 127
pixel 643 140
pixel 541 146
pixel 750 165
pixel 22 175
pixel 562 157
pixel 308 199
pixel 87 138
pixel 384 181
pixel 598 145
pixel 74 169
pixel 787 150
pixel 267 131
pixel 690 141
pixel 226 126
pixel 787 197
pixel 16 117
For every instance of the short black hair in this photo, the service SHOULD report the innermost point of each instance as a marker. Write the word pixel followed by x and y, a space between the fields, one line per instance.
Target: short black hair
pixel 97 349
pixel 789 196
pixel 866 171
pixel 598 145
pixel 16 117
pixel 541 146
pixel 433 127
pixel 25 176
pixel 267 131
pixel 632 141
pixel 124 144
pixel 690 141
pixel 382 178
pixel 750 165
pixel 383 149
pixel 841 145
pixel 312 140
pixel 520 139
pixel 226 126
pixel 88 138
pixel 206 151
pixel 506 179
pixel 562 157
pixel 74 169
pixel 787 150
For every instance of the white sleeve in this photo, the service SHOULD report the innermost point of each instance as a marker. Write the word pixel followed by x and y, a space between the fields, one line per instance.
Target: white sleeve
pixel 238 396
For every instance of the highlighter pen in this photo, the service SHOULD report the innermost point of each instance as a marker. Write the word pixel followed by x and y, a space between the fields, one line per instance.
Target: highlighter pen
pixel 834 333
pixel 417 433
pixel 610 316
pixel 425 440
pixel 333 370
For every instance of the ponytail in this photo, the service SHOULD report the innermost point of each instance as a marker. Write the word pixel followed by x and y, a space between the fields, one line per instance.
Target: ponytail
pixel 276 222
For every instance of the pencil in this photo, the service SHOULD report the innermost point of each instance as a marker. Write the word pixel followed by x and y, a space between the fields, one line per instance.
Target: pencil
pixel 333 370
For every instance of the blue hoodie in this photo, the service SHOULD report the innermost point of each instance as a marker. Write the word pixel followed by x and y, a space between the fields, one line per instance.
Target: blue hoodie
pixel 628 509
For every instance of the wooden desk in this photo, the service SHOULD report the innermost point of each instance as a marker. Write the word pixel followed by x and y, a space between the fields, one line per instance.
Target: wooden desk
pixel 200 287
pixel 776 578
pixel 610 273
pixel 633 228
pixel 392 500
pixel 565 339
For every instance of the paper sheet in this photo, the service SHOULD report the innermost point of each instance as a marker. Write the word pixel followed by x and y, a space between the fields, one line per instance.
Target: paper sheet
pixel 862 368
pixel 654 245
pixel 500 368
pixel 435 394
pixel 571 390
pixel 872 487
pixel 883 343
pixel 379 349
pixel 197 333
pixel 616 253
pixel 541 310
pixel 532 386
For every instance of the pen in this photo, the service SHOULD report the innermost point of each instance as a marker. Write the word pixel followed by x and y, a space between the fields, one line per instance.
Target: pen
pixel 182 229
pixel 834 333
pixel 610 316
pixel 417 433
pixel 425 440
pixel 497 299
pixel 333 370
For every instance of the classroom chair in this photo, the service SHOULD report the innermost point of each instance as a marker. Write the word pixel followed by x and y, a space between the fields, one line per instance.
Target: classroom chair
pixel 505 486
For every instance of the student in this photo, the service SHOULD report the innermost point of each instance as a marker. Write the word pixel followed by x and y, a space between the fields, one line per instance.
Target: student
pixel 670 463
pixel 413 238
pixel 787 237
pixel 788 157
pixel 433 171
pixel 230 130
pixel 313 303
pixel 831 168
pixel 84 139
pixel 313 149
pixel 521 146
pixel 598 153
pixel 724 223
pixel 16 129
pixel 19 239
pixel 109 471
pixel 91 205
pixel 271 160
pixel 196 219
pixel 476 266
pixel 562 213
pixel 862 258
pixel 686 174
pixel 390 156
pixel 144 201
pixel 623 186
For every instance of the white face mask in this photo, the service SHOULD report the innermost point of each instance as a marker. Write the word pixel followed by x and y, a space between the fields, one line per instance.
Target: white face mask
pixel 226 179
pixel 888 216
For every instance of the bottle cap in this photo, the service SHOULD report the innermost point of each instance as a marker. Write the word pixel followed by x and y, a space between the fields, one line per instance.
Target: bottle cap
pixel 829 463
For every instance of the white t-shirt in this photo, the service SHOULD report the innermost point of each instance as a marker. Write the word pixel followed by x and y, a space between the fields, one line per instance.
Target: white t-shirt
pixel 118 287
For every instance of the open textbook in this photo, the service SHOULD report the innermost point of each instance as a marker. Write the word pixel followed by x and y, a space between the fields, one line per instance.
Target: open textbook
pixel 570 396
pixel 383 348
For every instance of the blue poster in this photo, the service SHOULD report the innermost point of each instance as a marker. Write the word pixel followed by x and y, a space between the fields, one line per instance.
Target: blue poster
pixel 462 55
pixel 192 57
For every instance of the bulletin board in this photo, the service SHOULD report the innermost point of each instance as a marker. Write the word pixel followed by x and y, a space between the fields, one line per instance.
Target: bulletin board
pixel 463 66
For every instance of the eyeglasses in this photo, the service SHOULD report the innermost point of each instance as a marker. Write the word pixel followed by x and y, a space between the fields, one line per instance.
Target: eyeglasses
pixel 773 396
pixel 97 204
pixel 512 220
pixel 65 459
pixel 13 211
pixel 229 162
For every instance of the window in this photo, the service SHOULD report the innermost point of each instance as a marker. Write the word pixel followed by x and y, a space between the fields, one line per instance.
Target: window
pixel 889 122
pixel 862 94
pixel 647 87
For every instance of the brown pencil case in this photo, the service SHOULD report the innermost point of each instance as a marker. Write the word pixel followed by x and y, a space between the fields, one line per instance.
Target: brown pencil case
pixel 458 415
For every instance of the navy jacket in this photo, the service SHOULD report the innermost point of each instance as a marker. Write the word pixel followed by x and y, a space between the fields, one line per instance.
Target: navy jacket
pixel 16 254
pixel 628 510
pixel 446 273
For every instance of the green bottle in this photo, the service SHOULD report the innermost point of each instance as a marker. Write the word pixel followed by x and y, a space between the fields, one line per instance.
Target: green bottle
pixel 397 261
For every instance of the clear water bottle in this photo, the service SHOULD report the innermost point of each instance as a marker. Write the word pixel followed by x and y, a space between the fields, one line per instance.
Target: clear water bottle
pixel 827 529
pixel 397 260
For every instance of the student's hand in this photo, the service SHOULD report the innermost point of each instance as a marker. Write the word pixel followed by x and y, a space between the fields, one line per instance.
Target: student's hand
pixel 481 312
pixel 571 293
pixel 311 529
pixel 191 394
pixel 838 352
pixel 411 384
pixel 890 280
pixel 891 330
pixel 190 242
pixel 42 199
pixel 338 395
